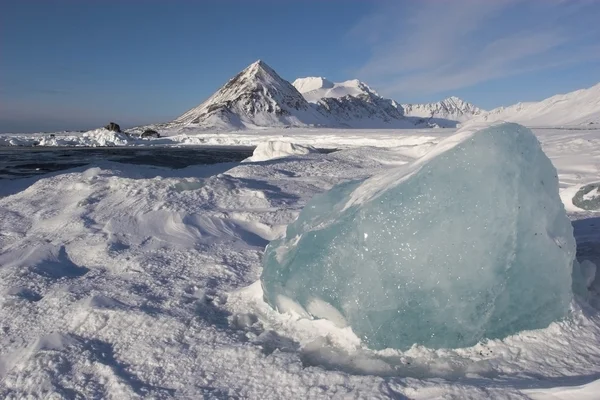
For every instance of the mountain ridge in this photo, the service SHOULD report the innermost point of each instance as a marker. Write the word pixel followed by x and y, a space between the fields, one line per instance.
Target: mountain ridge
pixel 447 113
pixel 258 97
pixel 576 108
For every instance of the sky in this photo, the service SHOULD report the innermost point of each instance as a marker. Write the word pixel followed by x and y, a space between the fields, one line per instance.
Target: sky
pixel 78 64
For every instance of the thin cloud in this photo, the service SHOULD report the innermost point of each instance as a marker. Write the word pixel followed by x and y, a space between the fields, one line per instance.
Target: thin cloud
pixel 433 46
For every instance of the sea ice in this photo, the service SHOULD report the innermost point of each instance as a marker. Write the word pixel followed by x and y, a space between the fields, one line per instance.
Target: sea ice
pixel 273 149
pixel 469 242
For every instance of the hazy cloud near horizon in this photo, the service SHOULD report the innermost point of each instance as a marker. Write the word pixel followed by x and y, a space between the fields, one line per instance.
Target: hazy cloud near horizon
pixel 435 46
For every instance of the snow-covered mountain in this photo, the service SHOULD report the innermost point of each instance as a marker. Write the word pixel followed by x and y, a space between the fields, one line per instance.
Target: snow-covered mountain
pixel 446 113
pixel 352 103
pixel 364 111
pixel 256 97
pixel 581 107
pixel 316 88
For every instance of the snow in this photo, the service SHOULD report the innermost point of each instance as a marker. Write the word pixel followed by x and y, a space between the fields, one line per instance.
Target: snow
pixel 578 108
pixel 305 85
pixel 415 141
pixel 315 88
pixel 583 392
pixel 256 97
pixel 94 138
pixel 447 113
pixel 274 149
pixel 421 254
pixel 168 308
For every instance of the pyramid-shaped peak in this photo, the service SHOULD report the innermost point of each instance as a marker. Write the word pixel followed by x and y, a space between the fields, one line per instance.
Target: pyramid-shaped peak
pixel 257 96
pixel 259 66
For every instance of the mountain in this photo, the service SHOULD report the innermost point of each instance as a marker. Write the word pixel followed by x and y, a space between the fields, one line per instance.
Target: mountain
pixel 447 113
pixel 581 107
pixel 352 104
pixel 256 97
pixel 316 88
pixel 367 111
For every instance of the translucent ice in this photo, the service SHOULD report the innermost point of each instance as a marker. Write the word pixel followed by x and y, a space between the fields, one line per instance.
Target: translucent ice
pixel 469 242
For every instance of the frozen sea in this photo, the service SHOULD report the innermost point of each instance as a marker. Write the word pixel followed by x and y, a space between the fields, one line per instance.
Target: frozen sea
pixel 128 281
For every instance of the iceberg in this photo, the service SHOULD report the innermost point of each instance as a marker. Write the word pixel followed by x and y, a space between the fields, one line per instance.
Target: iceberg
pixel 469 242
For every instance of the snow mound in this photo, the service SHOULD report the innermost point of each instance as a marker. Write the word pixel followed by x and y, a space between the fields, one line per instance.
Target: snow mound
pixel 276 149
pixel 469 242
pixel 104 137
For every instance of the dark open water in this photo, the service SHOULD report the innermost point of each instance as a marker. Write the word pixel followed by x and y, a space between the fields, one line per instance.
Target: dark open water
pixel 21 162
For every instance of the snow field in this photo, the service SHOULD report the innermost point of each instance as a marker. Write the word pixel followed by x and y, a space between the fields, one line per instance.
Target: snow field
pixel 129 282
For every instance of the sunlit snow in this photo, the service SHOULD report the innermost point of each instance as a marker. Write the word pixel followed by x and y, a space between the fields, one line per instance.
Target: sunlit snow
pixel 130 281
pixel 469 242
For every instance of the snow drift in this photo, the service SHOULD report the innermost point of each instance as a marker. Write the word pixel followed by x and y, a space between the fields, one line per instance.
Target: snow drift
pixel 469 242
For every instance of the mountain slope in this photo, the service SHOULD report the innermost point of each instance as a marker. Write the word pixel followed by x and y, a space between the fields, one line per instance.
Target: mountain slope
pixel 364 111
pixel 352 104
pixel 256 97
pixel 581 107
pixel 445 113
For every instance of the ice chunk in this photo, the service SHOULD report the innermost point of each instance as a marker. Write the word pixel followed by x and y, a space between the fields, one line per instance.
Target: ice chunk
pixel 277 149
pixel 469 242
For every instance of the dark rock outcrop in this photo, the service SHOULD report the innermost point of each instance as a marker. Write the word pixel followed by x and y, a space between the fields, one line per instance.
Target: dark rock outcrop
pixel 114 127
pixel 149 133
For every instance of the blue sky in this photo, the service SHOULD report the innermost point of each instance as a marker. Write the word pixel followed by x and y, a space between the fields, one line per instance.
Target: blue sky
pixel 77 64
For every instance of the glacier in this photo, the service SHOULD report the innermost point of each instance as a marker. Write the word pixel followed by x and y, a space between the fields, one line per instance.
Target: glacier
pixel 469 242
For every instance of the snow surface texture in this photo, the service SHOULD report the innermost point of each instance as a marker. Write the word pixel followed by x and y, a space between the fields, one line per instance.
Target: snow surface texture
pixel 275 149
pixel 125 282
pixel 469 242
